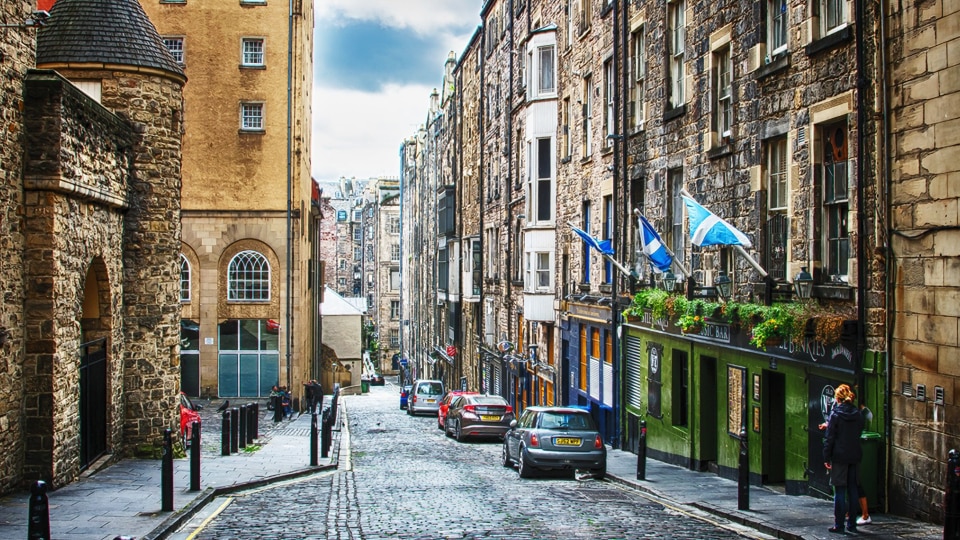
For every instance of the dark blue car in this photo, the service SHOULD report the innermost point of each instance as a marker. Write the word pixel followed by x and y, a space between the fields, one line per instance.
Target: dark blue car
pixel 404 395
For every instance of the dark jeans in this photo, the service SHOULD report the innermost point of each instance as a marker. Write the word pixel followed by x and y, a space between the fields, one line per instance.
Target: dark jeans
pixel 845 497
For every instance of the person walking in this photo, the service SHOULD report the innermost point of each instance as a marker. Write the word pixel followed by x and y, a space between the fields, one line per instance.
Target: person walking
pixel 841 457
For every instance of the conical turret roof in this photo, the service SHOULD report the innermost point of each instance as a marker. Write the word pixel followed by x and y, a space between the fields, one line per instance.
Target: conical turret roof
pixel 102 31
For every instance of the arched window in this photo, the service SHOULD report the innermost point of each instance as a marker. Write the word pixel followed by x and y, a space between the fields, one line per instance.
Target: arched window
pixel 184 279
pixel 248 277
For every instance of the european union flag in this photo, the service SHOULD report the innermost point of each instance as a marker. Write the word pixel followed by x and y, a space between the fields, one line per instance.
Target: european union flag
pixel 653 247
pixel 708 229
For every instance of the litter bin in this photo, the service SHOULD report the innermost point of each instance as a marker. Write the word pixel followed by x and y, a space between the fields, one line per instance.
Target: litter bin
pixel 364 386
pixel 870 471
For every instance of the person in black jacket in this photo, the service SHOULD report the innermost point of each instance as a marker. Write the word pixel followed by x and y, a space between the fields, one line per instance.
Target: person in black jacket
pixel 841 456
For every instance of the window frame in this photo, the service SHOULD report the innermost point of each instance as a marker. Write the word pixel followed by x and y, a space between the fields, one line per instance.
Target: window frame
pixel 778 21
pixel 261 273
pixel 546 52
pixel 587 102
pixel 828 8
pixel 609 114
pixel 186 282
pixel 776 173
pixel 835 211
pixel 245 54
pixel 244 116
pixel 676 95
pixel 638 66
pixel 723 92
pixel 179 55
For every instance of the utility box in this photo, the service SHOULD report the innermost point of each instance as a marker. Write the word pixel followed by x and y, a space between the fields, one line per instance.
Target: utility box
pixel 870 471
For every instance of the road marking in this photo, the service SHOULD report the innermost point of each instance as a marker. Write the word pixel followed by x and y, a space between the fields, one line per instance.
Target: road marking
pixel 205 522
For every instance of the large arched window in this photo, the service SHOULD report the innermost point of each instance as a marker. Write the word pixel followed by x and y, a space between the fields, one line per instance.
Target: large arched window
pixel 248 277
pixel 184 279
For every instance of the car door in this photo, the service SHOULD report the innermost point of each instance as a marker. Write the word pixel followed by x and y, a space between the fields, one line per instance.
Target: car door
pixel 515 435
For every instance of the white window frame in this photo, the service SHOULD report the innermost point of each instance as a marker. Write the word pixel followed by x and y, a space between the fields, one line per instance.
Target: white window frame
pixel 778 20
pixel 723 91
pixel 609 79
pixel 833 16
pixel 394 310
pixel 543 271
pixel 176 46
pixel 541 180
pixel 249 55
pixel 248 277
pixel 394 252
pixel 587 103
pixel 394 279
pixel 185 278
pixel 546 70
pixel 252 116
pixel 777 186
pixel 677 19
pixel 639 65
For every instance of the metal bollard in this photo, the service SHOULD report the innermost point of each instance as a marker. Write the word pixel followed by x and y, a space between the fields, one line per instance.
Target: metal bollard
pixel 951 504
pixel 234 430
pixel 743 481
pixel 38 524
pixel 325 434
pixel 195 456
pixel 277 409
pixel 166 472
pixel 313 439
pixel 642 452
pixel 251 422
pixel 242 428
pixel 225 435
pixel 256 420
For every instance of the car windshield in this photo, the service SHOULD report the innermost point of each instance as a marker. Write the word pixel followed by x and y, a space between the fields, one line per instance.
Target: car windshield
pixel 555 420
pixel 430 388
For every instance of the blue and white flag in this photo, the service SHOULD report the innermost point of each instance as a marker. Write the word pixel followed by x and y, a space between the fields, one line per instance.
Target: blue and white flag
pixel 603 246
pixel 653 247
pixel 708 229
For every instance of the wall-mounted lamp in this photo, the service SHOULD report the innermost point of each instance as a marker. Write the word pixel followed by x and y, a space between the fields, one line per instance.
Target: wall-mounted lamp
pixel 37 18
pixel 669 281
pixel 803 283
pixel 723 285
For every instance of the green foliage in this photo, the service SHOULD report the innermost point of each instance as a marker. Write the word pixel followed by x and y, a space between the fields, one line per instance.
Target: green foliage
pixel 779 322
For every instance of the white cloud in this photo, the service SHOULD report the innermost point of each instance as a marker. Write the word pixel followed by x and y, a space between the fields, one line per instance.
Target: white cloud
pixel 358 134
pixel 424 16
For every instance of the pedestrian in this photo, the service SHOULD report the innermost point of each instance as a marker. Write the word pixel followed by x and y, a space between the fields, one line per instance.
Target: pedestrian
pixel 841 456
pixel 317 395
pixel 286 402
pixel 308 394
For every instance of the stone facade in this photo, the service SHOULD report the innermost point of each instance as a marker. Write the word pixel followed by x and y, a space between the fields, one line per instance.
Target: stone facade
pixel 924 283
pixel 383 289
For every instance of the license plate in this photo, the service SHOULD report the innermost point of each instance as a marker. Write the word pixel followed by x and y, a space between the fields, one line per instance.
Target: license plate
pixel 489 418
pixel 566 441
pixel 431 401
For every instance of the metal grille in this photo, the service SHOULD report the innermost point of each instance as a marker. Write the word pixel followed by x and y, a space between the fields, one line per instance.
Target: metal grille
pixel 634 371
pixel 776 252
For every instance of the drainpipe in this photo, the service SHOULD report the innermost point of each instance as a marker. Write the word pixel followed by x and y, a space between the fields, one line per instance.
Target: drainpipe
pixel 619 144
pixel 289 316
pixel 889 297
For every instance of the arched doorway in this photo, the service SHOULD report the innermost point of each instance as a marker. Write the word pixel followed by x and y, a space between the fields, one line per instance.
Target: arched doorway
pixel 93 366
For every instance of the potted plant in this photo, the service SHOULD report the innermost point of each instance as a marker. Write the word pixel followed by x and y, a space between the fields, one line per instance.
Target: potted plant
pixel 690 323
pixel 778 323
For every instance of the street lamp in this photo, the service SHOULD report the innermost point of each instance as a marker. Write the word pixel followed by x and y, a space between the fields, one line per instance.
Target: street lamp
pixel 723 285
pixel 669 281
pixel 803 283
pixel 533 353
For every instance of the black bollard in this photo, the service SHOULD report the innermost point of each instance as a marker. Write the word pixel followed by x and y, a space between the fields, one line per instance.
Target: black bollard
pixel 225 435
pixel 642 452
pixel 951 506
pixel 234 430
pixel 325 434
pixel 743 481
pixel 313 439
pixel 38 526
pixel 251 422
pixel 255 430
pixel 195 456
pixel 166 469
pixel 242 434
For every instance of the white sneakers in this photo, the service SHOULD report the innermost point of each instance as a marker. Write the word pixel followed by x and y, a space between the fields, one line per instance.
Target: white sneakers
pixel 861 521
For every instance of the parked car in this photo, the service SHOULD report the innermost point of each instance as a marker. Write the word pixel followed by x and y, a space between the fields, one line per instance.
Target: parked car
pixel 405 395
pixel 554 438
pixel 189 413
pixel 445 404
pixel 377 380
pixel 477 415
pixel 425 397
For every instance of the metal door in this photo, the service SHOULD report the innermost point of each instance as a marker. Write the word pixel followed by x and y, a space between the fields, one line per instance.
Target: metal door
pixel 93 401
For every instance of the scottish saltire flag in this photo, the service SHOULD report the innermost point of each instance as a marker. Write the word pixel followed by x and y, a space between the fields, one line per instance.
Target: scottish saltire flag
pixel 603 246
pixel 708 229
pixel 653 247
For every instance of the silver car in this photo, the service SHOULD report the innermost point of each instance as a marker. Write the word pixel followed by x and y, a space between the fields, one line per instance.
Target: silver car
pixel 554 438
pixel 425 397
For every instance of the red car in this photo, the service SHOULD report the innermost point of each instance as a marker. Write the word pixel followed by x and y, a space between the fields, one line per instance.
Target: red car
pixel 445 404
pixel 189 413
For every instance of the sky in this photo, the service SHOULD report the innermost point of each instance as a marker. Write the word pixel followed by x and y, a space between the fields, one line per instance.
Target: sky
pixel 375 65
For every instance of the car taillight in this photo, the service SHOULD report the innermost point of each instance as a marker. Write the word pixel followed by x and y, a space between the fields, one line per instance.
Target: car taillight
pixel 414 398
pixel 534 440
pixel 509 410
pixel 598 442
pixel 470 408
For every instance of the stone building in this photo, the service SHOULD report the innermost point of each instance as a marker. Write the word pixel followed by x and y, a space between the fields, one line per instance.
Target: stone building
pixel 382 274
pixel 248 303
pixel 92 107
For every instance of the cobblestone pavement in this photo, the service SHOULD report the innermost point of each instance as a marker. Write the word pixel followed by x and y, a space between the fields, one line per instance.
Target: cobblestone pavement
pixel 404 479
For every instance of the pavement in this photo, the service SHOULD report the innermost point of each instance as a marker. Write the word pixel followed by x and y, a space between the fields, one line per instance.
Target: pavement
pixel 125 500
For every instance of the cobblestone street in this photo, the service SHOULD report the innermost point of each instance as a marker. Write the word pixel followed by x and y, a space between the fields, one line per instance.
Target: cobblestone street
pixel 404 479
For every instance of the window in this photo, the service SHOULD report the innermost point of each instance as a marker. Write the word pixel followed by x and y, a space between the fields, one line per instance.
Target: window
pixel 358 215
pixel 675 210
pixel 251 53
pixel 251 116
pixel 639 66
pixel 248 277
pixel 608 117
pixel 607 234
pixel 680 370
pixel 476 266
pixel 443 269
pixel 175 46
pixel 723 92
pixel 608 347
pixel 492 247
pixel 542 190
pixel 833 15
pixel 395 252
pixel 835 202
pixel 184 279
pixel 677 19
pixel 777 223
pixel 543 270
pixel 395 279
pixel 358 234
pixel 394 309
pixel 777 173
pixel 546 72
pixel 776 26
pixel 357 253
pixel 394 226
pixel 585 249
pixel 567 141
pixel 394 338
pixel 585 14
pixel 343 264
pixel 583 358
pixel 570 22
pixel 587 103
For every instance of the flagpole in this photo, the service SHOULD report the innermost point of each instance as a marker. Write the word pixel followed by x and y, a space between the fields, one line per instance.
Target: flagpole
pixel 683 268
pixel 756 266
pixel 610 258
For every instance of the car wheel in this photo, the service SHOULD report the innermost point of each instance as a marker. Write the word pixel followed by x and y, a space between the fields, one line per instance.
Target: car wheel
pixel 525 470
pixel 441 425
pixel 599 474
pixel 459 433
pixel 446 429
pixel 409 410
pixel 505 455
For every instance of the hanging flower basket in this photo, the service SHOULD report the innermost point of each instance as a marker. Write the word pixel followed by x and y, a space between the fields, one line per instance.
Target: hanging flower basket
pixel 693 329
pixel 774 341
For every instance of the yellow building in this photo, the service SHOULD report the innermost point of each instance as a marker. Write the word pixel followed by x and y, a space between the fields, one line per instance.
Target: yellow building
pixel 248 300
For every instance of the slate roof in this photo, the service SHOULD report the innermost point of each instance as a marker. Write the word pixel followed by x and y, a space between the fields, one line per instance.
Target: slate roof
pixel 107 31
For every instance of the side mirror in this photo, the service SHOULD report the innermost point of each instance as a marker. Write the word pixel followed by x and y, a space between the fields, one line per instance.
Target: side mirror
pixel 197 407
pixel 513 424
